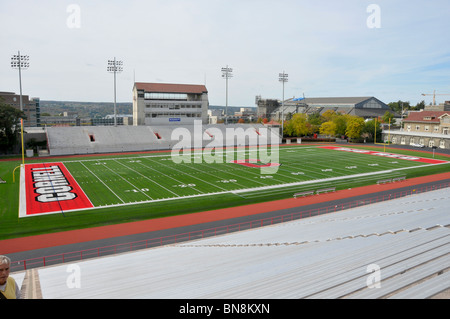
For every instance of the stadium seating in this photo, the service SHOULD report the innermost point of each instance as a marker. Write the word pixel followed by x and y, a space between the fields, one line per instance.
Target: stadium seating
pixel 110 139
pixel 326 256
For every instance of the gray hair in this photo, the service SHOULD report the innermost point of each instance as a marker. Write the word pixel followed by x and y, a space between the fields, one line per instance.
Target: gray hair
pixel 5 260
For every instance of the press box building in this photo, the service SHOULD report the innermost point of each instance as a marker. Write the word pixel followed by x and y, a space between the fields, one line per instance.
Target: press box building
pixel 162 104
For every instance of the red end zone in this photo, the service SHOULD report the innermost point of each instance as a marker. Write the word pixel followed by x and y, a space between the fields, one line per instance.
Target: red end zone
pixel 404 157
pixel 50 188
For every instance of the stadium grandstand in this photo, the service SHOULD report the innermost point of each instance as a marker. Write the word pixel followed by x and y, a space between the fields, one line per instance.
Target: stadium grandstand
pixel 394 249
pixel 109 139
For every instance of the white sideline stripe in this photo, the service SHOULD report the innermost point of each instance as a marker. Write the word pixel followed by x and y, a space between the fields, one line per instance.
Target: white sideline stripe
pixel 236 192
pixel 335 178
pixel 22 194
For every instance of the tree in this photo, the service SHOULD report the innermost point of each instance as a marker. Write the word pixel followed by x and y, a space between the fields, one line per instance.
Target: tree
pixel 315 121
pixel 368 131
pixel 9 126
pixel 355 125
pixel 419 106
pixel 328 115
pixel 298 126
pixel 341 124
pixel 388 117
pixel 328 128
pixel 397 107
pixel 240 121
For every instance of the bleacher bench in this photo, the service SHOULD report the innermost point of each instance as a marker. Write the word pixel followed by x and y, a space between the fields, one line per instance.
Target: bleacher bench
pixel 302 194
pixel 383 181
pixel 325 190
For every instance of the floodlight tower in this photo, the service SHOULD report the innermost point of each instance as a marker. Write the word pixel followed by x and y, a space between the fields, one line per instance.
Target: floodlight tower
pixel 115 66
pixel 283 77
pixel 20 62
pixel 226 74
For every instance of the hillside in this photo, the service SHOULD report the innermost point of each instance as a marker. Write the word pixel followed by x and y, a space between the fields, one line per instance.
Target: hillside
pixel 100 109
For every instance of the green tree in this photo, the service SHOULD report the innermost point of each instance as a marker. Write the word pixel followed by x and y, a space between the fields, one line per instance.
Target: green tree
pixel 369 129
pixel 388 117
pixel 9 126
pixel 419 106
pixel 315 121
pixel 396 107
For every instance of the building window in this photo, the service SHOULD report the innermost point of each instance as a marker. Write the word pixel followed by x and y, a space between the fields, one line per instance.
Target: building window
pixel 408 128
pixel 442 144
pixel 165 96
pixel 436 128
pixel 427 128
pixel 403 140
pixel 431 143
pixel 417 127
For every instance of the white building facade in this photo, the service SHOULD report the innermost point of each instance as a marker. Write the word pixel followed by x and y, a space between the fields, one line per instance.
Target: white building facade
pixel 163 104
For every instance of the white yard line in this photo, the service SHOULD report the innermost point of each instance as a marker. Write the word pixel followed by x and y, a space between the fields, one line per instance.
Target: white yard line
pixel 178 181
pixel 236 183
pixel 237 192
pixel 335 178
pixel 103 183
pixel 151 180
pixel 265 187
pixel 132 185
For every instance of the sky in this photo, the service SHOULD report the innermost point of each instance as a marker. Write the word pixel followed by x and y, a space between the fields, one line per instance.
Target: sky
pixel 391 49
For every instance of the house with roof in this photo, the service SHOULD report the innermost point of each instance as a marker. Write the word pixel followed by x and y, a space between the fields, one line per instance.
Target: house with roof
pixel 427 128
pixel 164 103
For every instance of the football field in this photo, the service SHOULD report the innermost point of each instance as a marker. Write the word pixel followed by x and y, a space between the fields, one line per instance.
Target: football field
pixel 79 184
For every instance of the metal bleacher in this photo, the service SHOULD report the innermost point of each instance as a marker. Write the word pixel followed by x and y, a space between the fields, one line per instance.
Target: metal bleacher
pixel 325 256
pixel 110 139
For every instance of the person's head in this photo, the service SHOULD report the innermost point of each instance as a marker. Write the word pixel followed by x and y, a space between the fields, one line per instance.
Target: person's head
pixel 5 263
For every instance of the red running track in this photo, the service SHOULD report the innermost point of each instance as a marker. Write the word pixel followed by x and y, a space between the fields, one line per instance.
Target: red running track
pixel 9 246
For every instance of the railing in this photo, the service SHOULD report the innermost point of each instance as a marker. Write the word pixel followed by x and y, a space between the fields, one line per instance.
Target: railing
pixel 199 234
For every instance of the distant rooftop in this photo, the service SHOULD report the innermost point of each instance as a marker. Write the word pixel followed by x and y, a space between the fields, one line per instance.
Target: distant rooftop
pixel 425 116
pixel 171 88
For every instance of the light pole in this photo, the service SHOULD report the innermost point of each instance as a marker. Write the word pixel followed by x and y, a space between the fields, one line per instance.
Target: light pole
pixel 226 74
pixel 20 62
pixel 283 77
pixel 115 66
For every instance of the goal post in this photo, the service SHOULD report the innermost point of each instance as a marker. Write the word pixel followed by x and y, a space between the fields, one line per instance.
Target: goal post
pixel 375 135
pixel 14 173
